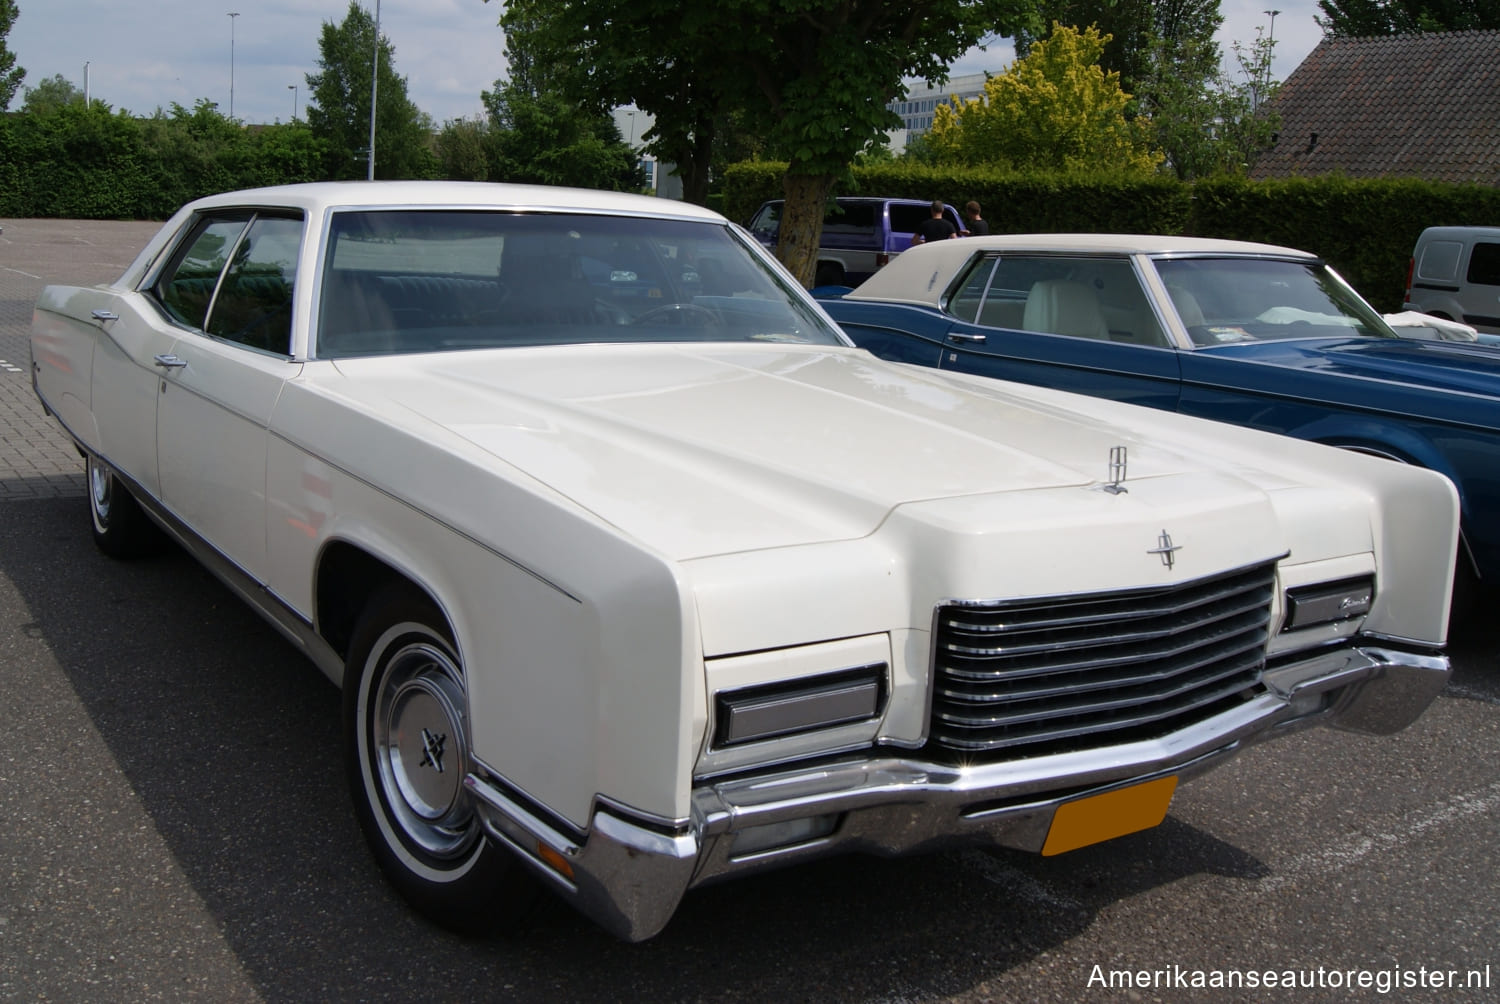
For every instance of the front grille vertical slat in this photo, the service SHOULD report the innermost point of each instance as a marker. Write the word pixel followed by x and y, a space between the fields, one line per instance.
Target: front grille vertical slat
pixel 1064 673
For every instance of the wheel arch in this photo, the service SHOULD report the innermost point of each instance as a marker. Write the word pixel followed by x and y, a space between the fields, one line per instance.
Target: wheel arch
pixel 1404 446
pixel 348 577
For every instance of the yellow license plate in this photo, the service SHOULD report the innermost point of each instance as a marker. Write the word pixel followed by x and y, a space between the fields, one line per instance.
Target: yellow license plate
pixel 1109 815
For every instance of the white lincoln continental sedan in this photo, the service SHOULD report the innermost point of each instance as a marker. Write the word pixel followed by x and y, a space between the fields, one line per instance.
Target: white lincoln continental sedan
pixel 637 575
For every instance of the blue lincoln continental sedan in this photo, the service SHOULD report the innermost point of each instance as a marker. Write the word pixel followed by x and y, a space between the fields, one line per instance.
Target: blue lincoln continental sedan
pixel 1253 334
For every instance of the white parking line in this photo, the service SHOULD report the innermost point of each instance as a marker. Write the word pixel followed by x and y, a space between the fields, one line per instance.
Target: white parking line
pixel 1355 849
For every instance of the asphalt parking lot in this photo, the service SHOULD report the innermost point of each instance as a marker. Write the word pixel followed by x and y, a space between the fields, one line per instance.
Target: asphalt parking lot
pixel 173 823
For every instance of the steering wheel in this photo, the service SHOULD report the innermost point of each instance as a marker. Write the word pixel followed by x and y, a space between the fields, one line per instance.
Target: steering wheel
pixel 680 313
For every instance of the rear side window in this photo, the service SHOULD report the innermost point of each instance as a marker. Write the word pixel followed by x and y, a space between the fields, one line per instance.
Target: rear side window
pixel 850 218
pixel 1484 264
pixel 187 286
pixel 767 220
pixel 233 277
pixel 1439 262
pixel 905 219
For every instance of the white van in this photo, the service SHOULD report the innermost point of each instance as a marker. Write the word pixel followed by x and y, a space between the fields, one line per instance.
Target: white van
pixel 1455 273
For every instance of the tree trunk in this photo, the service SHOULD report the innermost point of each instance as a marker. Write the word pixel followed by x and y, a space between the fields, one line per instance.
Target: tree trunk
pixel 801 227
pixel 695 174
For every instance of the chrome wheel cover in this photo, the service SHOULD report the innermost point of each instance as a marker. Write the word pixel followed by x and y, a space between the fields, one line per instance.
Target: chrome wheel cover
pixel 419 746
pixel 101 494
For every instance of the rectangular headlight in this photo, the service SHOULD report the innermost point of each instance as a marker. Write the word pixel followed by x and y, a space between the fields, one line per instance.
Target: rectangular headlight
pixel 803 705
pixel 1328 602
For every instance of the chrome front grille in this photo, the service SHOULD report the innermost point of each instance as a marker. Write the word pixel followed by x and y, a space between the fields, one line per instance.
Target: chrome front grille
pixel 1059 673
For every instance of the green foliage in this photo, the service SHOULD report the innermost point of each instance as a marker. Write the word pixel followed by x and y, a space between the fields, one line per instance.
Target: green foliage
pixel 1364 18
pixel 809 78
pixel 1135 28
pixel 1365 227
pixel 462 150
pixel 1206 122
pixel 544 139
pixel 83 162
pixel 338 109
pixel 1014 202
pixel 11 75
pixel 1054 110
pixel 50 95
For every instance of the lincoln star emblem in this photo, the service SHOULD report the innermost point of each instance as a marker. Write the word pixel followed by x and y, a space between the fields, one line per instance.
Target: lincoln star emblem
pixel 1116 471
pixel 1166 549
pixel 432 750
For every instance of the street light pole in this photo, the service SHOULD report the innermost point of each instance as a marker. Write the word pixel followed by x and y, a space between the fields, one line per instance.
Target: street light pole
pixel 1271 36
pixel 374 83
pixel 293 89
pixel 86 83
pixel 232 15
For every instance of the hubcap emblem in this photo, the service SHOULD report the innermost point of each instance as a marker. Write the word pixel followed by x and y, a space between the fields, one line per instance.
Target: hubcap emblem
pixel 432 750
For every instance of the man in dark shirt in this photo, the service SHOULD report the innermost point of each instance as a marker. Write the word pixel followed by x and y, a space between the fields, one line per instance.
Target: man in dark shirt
pixel 974 225
pixel 936 228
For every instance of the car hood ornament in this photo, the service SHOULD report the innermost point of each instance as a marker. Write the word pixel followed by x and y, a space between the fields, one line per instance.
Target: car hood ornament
pixel 1117 467
pixel 1166 549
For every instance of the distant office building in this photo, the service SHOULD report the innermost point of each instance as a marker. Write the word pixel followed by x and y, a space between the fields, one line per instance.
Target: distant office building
pixel 633 123
pixel 921 101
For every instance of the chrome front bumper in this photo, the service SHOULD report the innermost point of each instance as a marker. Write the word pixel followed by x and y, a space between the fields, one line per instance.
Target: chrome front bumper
pixel 628 873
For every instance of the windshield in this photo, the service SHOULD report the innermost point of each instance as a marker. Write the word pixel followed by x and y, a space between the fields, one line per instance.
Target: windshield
pixel 1225 300
pixel 398 281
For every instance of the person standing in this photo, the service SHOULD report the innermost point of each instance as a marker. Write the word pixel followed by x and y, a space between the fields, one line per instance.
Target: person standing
pixel 935 228
pixel 974 225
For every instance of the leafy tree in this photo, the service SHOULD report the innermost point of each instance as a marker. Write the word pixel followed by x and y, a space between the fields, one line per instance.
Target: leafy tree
pixel 812 78
pixel 50 95
pixel 1205 121
pixel 463 150
pixel 540 133
pixel 1056 109
pixel 542 138
pixel 1136 29
pixel 11 75
pixel 1362 18
pixel 338 109
pixel 598 70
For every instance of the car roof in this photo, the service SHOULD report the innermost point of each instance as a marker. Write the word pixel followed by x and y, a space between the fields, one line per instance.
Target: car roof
pixel 317 197
pixel 864 198
pixel 921 274
pixel 1459 233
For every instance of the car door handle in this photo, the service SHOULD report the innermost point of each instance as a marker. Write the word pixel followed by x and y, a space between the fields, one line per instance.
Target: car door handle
pixel 104 315
pixel 167 361
pixel 975 339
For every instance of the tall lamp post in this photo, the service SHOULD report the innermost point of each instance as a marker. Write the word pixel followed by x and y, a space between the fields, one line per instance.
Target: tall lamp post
pixel 1271 35
pixel 293 89
pixel 231 15
pixel 374 82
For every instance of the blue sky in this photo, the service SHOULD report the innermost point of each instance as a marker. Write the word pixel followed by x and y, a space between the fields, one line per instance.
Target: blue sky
pixel 147 55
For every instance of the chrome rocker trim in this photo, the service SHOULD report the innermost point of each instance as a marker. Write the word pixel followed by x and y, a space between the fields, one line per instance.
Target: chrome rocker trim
pixel 629 871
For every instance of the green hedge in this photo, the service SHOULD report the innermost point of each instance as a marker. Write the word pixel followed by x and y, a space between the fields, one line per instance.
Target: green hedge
pixel 1365 228
pixel 78 162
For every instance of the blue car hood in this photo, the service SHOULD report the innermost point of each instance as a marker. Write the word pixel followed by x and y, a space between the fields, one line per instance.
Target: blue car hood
pixel 1457 366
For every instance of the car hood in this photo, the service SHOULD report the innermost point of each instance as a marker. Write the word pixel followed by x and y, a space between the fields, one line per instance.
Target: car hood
pixel 1470 367
pixel 702 450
